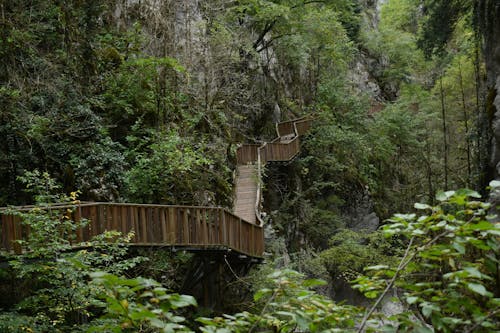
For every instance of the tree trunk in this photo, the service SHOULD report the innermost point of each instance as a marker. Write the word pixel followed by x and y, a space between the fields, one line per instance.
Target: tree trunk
pixel 445 135
pixel 466 125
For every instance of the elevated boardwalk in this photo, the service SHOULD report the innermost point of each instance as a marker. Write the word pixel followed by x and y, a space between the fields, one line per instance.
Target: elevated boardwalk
pixel 251 158
pixel 189 227
pixel 192 228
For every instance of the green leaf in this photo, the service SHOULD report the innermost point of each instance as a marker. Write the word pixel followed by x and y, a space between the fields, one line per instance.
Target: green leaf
pixel 261 293
pixel 468 193
pixel 494 184
pixel 181 301
pixel 421 206
pixel 473 272
pixel 443 196
pixel 459 247
pixel 411 299
pixel 479 289
pixel 313 283
pixel 428 308
pixel 423 329
pixel 371 294
pixel 376 268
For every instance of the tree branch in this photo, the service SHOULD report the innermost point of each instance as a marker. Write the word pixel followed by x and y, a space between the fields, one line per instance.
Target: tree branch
pixel 260 39
pixel 401 266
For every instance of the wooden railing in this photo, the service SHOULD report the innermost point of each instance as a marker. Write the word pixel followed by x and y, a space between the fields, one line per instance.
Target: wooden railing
pixel 153 225
pixel 302 126
pixel 295 127
pixel 247 153
pixel 276 150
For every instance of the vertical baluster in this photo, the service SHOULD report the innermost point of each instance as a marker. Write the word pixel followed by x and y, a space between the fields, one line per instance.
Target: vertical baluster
pixel 134 222
pixel 252 240
pixel 216 226
pixel 123 223
pixel 204 228
pixel 93 222
pixel 172 222
pixel 8 229
pixel 157 224
pixel 240 225
pixel 163 224
pixel 116 217
pixel 108 212
pixel 78 221
pixel 185 226
pixel 223 229
pixel 143 223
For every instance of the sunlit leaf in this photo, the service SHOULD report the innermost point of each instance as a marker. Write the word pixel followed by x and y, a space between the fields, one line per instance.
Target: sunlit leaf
pixel 479 289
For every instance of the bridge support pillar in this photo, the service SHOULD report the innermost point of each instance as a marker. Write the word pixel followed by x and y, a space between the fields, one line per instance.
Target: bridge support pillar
pixel 210 277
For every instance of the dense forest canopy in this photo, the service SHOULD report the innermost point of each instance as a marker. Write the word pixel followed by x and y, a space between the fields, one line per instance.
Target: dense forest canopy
pixel 147 102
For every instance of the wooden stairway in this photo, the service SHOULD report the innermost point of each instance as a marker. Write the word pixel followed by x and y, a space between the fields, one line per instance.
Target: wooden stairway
pixel 246 192
pixel 251 158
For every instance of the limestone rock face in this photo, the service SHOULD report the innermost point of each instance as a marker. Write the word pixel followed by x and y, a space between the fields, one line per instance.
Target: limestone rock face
pixel 361 215
pixel 489 21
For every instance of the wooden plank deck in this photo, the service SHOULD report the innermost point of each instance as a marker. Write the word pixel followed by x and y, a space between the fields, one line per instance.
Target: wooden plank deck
pixel 246 192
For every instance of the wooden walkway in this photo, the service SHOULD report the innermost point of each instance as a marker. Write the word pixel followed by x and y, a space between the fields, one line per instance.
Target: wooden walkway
pixel 251 158
pixel 246 192
pixel 190 227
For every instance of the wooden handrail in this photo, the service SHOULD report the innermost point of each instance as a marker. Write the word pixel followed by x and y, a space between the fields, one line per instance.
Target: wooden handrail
pixel 155 225
pixel 288 127
pixel 276 150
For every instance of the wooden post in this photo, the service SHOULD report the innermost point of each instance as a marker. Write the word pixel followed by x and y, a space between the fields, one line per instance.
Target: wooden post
pixel 78 220
pixel 223 229
pixel 123 219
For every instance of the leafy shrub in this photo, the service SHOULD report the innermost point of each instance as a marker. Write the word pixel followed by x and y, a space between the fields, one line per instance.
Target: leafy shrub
pixel 448 276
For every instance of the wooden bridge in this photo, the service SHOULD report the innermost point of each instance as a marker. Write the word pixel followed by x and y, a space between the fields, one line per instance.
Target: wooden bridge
pixel 189 227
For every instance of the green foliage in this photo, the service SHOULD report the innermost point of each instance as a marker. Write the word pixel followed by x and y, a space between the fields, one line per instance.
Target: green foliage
pixel 350 252
pixel 447 276
pixel 59 294
pixel 449 271
pixel 98 169
pixel 439 24
pixel 138 305
pixel 287 305
pixel 393 45
pixel 13 322
pixel 177 169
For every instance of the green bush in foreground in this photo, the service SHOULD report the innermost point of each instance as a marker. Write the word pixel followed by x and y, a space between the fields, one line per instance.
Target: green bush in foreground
pixel 449 274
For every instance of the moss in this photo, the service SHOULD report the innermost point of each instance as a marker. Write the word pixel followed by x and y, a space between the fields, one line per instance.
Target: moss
pixel 111 56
